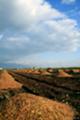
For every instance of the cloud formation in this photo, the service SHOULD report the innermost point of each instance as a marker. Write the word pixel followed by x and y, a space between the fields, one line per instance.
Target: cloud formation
pixel 30 27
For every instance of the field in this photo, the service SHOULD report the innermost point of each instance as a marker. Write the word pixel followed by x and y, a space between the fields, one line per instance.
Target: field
pixel 61 85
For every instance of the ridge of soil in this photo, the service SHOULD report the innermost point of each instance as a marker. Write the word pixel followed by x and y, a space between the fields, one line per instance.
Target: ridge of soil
pixel 7 81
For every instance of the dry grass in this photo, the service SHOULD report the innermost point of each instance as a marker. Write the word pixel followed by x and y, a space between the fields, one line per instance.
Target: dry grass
pixel 30 107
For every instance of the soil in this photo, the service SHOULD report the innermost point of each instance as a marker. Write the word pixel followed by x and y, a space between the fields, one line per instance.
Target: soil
pixel 62 73
pixel 63 89
pixel 25 93
pixel 7 81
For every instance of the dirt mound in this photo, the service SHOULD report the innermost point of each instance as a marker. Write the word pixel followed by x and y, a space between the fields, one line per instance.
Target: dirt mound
pixel 7 81
pixel 40 72
pixel 24 70
pixel 50 70
pixel 62 73
pixel 35 72
pixel 30 107
pixel 44 72
pixel 76 71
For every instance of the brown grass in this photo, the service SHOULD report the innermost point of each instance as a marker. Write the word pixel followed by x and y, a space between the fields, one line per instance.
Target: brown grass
pixel 30 107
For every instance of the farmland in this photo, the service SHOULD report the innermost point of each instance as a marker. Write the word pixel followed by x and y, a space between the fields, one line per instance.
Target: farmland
pixel 55 84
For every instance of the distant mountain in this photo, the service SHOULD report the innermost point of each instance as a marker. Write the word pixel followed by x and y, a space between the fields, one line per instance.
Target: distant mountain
pixel 11 65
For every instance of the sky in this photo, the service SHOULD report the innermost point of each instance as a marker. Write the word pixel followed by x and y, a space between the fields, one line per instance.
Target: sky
pixel 40 33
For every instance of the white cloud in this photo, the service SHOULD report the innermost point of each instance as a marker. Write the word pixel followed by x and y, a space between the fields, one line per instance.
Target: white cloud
pixel 68 1
pixel 30 27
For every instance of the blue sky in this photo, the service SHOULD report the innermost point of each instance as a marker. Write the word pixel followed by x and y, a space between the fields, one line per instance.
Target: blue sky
pixel 72 9
pixel 42 33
